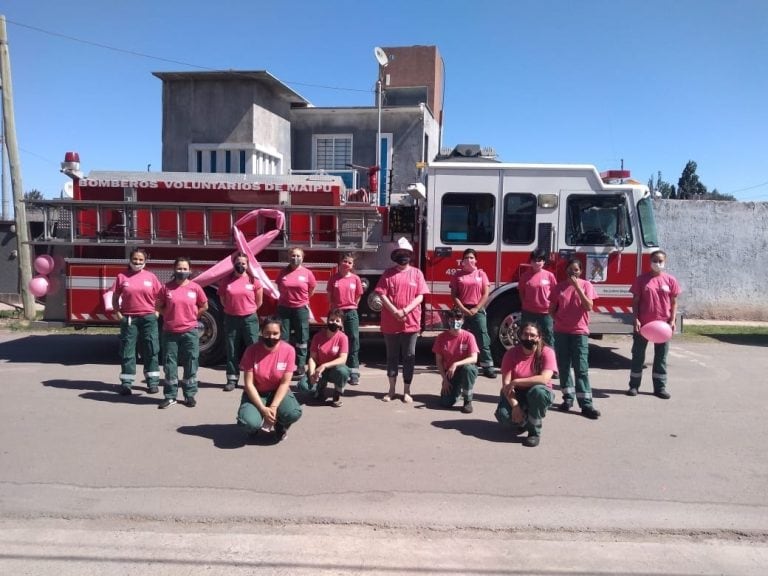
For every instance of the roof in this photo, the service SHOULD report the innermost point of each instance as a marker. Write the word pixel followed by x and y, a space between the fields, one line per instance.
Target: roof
pixel 281 90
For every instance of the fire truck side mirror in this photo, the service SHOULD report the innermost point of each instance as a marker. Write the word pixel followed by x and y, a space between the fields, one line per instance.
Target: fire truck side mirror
pixel 417 191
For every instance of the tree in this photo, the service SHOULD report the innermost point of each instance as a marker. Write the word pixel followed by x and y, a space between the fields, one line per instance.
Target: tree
pixel 662 188
pixel 689 186
pixel 33 194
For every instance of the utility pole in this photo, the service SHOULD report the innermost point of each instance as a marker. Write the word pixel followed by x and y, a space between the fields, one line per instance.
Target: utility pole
pixel 9 126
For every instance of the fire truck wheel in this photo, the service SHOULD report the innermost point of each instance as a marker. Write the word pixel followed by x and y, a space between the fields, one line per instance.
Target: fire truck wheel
pixel 503 322
pixel 212 351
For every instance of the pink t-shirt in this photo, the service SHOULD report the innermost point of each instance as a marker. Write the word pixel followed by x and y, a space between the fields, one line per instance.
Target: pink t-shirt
pixel 535 289
pixel 401 287
pixel 180 304
pixel 570 316
pixel 344 291
pixel 469 287
pixel 238 294
pixel 325 348
pixel 522 366
pixel 656 294
pixel 295 286
pixel 454 347
pixel 268 366
pixel 138 291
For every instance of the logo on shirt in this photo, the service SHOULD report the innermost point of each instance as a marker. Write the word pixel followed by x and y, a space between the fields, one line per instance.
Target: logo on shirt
pixel 148 283
pixel 302 278
pixel 282 366
pixel 335 349
pixel 664 288
pixel 463 347
pixel 192 294
pixel 249 286
pixel 544 282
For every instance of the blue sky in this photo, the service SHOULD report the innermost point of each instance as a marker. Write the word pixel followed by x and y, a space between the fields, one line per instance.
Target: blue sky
pixel 653 82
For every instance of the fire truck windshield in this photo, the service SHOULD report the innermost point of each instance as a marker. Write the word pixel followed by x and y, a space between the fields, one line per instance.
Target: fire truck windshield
pixel 597 221
pixel 647 222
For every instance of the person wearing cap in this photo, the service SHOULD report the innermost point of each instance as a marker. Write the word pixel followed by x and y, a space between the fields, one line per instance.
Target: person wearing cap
pixel 470 289
pixel 401 289
pixel 535 286
pixel 456 355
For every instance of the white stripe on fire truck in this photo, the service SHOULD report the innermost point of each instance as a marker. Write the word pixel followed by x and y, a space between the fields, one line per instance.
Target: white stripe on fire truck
pixel 89 283
pixel 75 317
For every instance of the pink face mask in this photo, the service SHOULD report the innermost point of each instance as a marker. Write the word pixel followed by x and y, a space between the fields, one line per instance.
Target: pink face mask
pixel 469 266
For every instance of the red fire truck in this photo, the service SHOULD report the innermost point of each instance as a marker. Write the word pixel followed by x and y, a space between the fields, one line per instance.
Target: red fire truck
pixel 502 210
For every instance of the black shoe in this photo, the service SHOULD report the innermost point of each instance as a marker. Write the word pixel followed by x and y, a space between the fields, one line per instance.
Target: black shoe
pixel 565 406
pixel 354 381
pixel 280 432
pixel 124 391
pixel 531 441
pixel 167 402
pixel 467 408
pixel 229 386
pixel 489 372
pixel 632 391
pixel 190 402
pixel 590 412
pixel 153 390
pixel 663 394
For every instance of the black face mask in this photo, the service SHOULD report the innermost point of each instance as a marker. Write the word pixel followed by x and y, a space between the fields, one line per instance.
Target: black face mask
pixel 239 268
pixel 270 342
pixel 528 344
pixel 401 259
pixel 332 327
pixel 181 276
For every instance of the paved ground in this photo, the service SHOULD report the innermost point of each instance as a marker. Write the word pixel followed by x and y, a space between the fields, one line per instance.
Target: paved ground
pixel 92 483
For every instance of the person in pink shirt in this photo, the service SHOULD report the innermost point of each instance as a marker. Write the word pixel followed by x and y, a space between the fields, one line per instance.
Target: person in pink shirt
pixel 181 303
pixel 401 289
pixel 570 304
pixel 240 294
pixel 654 297
pixel 296 285
pixel 134 295
pixel 344 292
pixel 535 286
pixel 327 360
pixel 526 386
pixel 267 403
pixel 456 358
pixel 470 290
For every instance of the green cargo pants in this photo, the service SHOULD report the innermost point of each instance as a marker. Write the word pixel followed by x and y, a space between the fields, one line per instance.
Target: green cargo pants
pixel 240 332
pixel 461 384
pixel 659 373
pixel 181 349
pixel 251 419
pixel 478 326
pixel 352 330
pixel 336 375
pixel 534 402
pixel 141 330
pixel 295 330
pixel 573 350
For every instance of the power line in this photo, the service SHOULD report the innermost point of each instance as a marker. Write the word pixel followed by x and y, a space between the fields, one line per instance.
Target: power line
pixel 749 188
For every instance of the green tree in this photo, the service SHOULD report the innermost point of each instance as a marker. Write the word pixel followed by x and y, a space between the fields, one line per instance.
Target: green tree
pixel 689 186
pixel 33 194
pixel 664 189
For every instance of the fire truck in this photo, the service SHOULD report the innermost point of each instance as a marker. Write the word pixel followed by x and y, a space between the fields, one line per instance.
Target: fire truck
pixel 463 200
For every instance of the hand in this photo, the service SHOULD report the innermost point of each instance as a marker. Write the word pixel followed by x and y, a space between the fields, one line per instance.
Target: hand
pixel 402 314
pixel 637 325
pixel 518 416
pixel 446 388
pixel 472 311
pixel 451 371
pixel 672 324
pixel 573 280
pixel 270 415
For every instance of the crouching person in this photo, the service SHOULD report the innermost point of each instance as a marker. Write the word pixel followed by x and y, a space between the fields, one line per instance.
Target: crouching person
pixel 267 402
pixel 526 390
pixel 456 358
pixel 328 360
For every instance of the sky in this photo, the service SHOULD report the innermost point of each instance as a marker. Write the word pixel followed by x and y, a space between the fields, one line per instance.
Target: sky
pixel 654 83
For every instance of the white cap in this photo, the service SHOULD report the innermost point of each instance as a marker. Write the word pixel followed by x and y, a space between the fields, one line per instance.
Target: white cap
pixel 403 244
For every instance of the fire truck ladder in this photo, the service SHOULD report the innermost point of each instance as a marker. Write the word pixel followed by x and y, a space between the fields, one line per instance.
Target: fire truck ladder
pixel 86 222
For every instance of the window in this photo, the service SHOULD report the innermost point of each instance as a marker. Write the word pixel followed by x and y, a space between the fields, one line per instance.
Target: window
pixel 199 160
pixel 519 225
pixel 647 222
pixel 467 218
pixel 597 221
pixel 332 152
pixel 243 159
pixel 228 161
pixel 213 160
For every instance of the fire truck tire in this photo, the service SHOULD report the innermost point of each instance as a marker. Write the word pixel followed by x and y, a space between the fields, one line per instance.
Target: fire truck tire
pixel 212 346
pixel 503 322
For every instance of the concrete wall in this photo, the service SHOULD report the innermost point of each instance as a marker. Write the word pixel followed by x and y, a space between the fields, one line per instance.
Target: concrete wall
pixel 9 263
pixel 719 253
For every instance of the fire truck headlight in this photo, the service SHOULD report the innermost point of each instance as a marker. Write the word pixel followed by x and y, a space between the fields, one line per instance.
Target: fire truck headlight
pixel 374 302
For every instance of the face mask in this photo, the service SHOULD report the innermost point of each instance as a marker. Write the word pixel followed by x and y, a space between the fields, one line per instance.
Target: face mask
pixel 528 344
pixel 296 260
pixel 239 267
pixel 400 258
pixel 136 267
pixel 657 266
pixel 181 275
pixel 538 265
pixel 469 266
pixel 270 342
pixel 332 326
pixel 457 324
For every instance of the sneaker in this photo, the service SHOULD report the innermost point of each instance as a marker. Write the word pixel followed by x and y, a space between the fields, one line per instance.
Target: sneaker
pixel 489 372
pixel 124 391
pixel 531 441
pixel 590 412
pixel 388 397
pixel 167 402
pixel 663 394
pixel 153 390
pixel 280 432
pixel 407 398
pixel 632 391
pixel 337 401
pixel 353 381
pixel 467 408
pixel 190 402
pixel 229 386
pixel 565 406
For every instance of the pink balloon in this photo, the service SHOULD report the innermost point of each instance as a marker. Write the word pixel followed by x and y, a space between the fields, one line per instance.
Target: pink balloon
pixel 44 264
pixel 657 331
pixel 38 286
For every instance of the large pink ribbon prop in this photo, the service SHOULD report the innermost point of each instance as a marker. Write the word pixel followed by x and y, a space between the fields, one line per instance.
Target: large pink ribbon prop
pixel 224 267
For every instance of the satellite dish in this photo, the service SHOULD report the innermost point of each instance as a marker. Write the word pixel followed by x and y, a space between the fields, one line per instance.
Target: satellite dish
pixel 381 56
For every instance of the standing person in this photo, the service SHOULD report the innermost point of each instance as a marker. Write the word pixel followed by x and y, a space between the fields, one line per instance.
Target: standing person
pixel 297 285
pixel 344 292
pixel 401 288
pixel 654 297
pixel 328 359
pixel 571 302
pixel 455 355
pixel 535 287
pixel 267 401
pixel 470 289
pixel 181 303
pixel 526 386
pixel 241 295
pixel 134 295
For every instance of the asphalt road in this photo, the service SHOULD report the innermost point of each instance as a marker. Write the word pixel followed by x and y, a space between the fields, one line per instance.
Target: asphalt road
pixel 94 483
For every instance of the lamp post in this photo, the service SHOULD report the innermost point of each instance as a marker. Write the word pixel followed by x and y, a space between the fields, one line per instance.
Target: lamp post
pixel 383 60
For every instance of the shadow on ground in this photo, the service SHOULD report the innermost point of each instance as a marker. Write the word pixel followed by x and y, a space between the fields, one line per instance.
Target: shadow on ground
pixel 69 349
pixel 228 436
